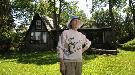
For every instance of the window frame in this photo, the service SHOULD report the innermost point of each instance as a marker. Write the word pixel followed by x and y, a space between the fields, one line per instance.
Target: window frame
pixel 35 41
pixel 38 24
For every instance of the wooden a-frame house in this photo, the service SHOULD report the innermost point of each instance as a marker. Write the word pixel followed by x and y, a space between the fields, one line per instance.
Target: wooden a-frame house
pixel 38 36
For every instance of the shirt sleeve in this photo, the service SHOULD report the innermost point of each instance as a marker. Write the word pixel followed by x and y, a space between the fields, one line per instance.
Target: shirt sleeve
pixel 60 46
pixel 87 43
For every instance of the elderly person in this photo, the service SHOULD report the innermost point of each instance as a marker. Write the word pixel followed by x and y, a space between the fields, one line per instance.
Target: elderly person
pixel 70 48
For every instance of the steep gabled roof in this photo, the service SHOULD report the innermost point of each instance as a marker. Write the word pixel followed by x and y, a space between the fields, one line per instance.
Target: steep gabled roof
pixel 48 22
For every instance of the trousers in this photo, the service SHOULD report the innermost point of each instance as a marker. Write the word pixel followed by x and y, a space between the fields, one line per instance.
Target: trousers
pixel 73 68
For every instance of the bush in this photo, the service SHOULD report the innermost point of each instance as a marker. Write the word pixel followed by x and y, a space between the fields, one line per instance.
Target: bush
pixel 130 45
pixel 5 39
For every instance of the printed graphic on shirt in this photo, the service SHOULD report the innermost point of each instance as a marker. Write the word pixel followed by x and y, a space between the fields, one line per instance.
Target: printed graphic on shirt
pixel 73 46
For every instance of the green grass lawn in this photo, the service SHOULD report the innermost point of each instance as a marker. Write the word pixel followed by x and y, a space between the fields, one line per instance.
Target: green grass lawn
pixel 46 63
pixel 121 64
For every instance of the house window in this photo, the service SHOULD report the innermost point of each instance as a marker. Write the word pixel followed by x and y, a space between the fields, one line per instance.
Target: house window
pixel 38 37
pixel 44 37
pixel 38 24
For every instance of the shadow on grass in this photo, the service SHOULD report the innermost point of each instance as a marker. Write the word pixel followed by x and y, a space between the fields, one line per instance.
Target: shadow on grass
pixel 38 58
pixel 88 57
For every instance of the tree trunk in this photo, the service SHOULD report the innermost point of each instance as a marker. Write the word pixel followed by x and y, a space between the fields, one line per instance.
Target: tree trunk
pixel 59 11
pixel 112 23
pixel 55 19
pixel 111 13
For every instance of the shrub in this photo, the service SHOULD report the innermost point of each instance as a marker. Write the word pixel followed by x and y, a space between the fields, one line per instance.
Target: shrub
pixel 130 45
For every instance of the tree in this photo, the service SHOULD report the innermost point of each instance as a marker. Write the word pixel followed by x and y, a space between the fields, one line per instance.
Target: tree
pixel 69 9
pixel 6 18
pixel 132 8
pixel 114 6
pixel 6 23
pixel 24 10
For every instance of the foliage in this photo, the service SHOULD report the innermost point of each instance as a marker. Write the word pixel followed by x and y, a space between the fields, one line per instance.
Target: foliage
pixel 130 45
pixel 122 25
pixel 6 18
pixel 6 39
pixel 44 8
pixel 5 36
pixel 6 25
pixel 70 9
pixel 101 18
pixel 23 10
pixel 10 40
pixel 46 63
pixel 99 4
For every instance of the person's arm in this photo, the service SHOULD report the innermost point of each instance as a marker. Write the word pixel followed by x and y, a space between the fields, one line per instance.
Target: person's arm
pixel 60 49
pixel 62 68
pixel 87 43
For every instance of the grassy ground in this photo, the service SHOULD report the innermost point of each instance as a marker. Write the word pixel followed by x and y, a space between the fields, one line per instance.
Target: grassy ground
pixel 121 64
pixel 46 63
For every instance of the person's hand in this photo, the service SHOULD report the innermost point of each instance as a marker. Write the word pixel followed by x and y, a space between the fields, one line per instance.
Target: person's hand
pixel 62 67
pixel 83 50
